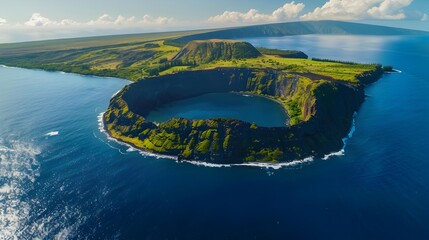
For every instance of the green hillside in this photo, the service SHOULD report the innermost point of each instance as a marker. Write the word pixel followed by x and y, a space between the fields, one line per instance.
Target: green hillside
pixel 139 56
pixel 207 51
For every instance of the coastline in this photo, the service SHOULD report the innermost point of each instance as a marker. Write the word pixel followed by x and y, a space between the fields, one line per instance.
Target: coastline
pixel 62 72
pixel 262 165
pixel 172 157
pixel 101 127
pixel 274 166
pixel 143 152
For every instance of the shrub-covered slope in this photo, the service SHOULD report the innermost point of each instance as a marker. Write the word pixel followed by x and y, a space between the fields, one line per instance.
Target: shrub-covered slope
pixel 323 114
pixel 196 52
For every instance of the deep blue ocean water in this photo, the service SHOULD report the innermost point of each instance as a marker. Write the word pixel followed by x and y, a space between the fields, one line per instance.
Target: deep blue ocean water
pixel 61 177
pixel 224 105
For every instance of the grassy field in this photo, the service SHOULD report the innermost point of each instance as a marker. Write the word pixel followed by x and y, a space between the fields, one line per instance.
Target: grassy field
pixel 15 49
pixel 133 61
pixel 327 70
pixel 137 56
pixel 145 58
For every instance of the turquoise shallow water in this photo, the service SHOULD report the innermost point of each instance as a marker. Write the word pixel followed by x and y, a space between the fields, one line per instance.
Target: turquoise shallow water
pixel 74 183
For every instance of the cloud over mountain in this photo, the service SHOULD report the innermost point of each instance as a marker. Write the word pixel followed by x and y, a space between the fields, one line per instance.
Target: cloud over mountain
pixel 288 11
pixel 357 10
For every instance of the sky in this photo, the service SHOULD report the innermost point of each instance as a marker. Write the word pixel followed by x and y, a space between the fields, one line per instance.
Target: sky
pixel 28 20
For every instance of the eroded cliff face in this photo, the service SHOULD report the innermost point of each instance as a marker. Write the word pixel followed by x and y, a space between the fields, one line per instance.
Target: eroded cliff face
pixel 325 111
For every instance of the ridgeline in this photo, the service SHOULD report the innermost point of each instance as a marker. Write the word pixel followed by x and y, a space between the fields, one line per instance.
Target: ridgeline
pixel 319 95
pixel 320 107
pixel 197 52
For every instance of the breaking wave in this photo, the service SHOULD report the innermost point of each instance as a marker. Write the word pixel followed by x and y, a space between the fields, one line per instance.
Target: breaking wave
pixel 345 140
pixel 275 166
pixel 51 134
pixel 198 163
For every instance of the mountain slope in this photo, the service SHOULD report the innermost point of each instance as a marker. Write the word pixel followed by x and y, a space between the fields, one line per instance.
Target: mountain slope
pixel 298 28
pixel 211 50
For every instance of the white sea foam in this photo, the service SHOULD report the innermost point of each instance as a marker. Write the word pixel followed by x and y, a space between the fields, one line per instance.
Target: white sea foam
pixel 275 166
pixel 198 163
pixel 345 140
pixel 61 223
pixel 131 148
pixel 334 154
pixel 51 134
pixel 4 66
pixel 116 93
pixel 18 170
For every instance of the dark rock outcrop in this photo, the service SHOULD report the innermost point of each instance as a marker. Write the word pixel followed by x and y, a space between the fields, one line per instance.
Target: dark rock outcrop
pixel 328 107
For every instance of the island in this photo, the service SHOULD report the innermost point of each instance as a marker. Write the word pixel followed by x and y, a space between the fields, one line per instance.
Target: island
pixel 320 97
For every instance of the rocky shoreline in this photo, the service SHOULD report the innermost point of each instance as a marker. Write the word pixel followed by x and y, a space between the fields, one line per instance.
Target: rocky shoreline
pixel 327 112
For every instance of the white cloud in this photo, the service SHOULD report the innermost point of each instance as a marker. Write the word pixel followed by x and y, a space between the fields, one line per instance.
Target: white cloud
pixel 147 20
pixel 389 9
pixel 2 21
pixel 158 21
pixel 39 27
pixel 287 12
pixel 362 9
pixel 37 20
pixel 424 17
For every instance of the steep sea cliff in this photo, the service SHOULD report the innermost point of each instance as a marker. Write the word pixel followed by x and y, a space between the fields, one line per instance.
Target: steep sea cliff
pixel 326 110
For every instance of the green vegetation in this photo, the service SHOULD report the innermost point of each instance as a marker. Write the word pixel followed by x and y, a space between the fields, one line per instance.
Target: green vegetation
pixel 130 61
pixel 283 53
pixel 319 95
pixel 307 96
pixel 200 52
pixel 333 61
pixel 146 59
pixel 388 69
pixel 138 56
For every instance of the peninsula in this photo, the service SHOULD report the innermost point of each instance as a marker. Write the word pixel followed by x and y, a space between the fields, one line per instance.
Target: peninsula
pixel 320 96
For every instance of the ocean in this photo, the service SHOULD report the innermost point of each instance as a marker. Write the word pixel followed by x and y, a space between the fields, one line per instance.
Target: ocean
pixel 62 178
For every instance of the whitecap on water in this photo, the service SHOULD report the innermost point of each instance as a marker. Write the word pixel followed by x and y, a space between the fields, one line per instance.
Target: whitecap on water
pixel 19 169
pixel 53 133
pixel 22 217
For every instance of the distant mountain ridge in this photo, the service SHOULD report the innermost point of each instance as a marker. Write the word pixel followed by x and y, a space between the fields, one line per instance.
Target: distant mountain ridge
pixel 179 39
pixel 299 28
